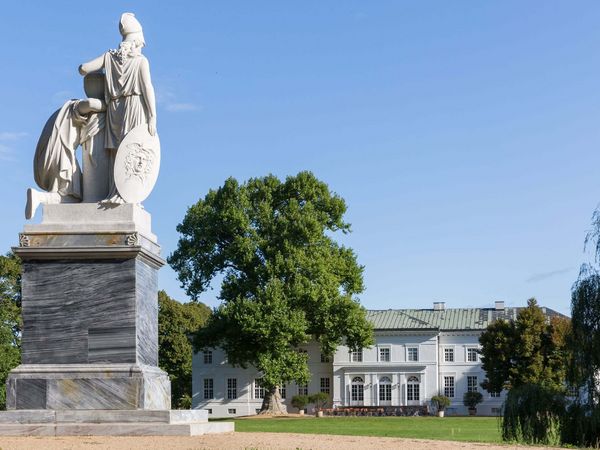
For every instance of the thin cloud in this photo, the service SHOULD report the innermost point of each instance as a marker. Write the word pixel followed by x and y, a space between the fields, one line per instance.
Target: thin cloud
pixel 166 98
pixel 12 135
pixel 545 275
pixel 7 153
pixel 178 107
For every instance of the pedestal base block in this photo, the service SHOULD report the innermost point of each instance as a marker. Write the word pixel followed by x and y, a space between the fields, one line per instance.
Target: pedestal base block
pixel 109 423
pixel 88 386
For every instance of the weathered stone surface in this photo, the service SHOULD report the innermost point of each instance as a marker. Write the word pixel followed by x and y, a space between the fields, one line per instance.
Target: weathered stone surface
pixel 109 423
pixel 90 386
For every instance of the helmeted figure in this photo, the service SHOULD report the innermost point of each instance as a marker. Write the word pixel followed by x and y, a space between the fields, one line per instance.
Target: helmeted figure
pixel 121 98
pixel 129 95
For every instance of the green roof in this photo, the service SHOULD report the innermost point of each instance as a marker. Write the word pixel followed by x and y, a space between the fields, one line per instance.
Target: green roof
pixel 447 319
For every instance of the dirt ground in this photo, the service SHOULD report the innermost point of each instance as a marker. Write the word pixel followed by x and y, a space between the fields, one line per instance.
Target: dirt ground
pixel 241 441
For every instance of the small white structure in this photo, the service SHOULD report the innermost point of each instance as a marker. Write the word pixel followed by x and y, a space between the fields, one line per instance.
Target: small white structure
pixel 418 353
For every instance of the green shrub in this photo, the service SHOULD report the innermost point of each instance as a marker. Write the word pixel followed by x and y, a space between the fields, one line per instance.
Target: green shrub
pixel 300 401
pixel 440 401
pixel 533 414
pixel 319 399
pixel 472 399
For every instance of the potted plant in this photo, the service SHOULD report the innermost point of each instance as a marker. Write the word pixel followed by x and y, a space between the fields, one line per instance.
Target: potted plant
pixel 319 399
pixel 441 402
pixel 300 402
pixel 471 400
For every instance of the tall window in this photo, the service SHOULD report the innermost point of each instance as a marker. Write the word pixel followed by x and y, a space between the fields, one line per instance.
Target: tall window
pixel 471 355
pixel 259 390
pixel 385 389
pixel 208 357
pixel 449 355
pixel 356 356
pixel 231 388
pixel 471 384
pixel 449 387
pixel 303 389
pixel 384 354
pixel 412 353
pixel 283 391
pixel 208 388
pixel 326 385
pixel 357 389
pixel 325 358
pixel 413 389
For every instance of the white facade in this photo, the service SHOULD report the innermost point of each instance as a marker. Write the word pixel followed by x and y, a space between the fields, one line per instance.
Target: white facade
pixel 417 354
pixel 223 401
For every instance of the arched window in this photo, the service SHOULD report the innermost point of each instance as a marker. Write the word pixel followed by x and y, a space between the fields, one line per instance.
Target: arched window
pixel 412 389
pixel 357 389
pixel 385 389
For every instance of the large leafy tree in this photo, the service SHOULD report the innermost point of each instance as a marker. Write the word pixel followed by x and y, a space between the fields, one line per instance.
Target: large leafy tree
pixel 10 319
pixel 176 324
pixel 285 280
pixel 529 350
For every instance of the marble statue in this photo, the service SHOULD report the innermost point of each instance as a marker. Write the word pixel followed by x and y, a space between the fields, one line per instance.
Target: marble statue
pixel 120 99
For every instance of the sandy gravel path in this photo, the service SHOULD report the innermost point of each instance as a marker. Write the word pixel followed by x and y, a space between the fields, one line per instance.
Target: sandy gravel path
pixel 242 441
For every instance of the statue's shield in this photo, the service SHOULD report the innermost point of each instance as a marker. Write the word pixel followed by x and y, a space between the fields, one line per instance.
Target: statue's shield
pixel 137 164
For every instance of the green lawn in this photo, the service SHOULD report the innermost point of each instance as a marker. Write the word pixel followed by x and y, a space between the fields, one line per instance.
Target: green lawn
pixel 475 429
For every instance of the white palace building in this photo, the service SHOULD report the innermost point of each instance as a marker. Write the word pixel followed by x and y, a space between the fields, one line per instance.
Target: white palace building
pixel 418 353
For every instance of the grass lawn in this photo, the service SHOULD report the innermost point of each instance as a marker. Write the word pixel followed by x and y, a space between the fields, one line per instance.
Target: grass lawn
pixel 474 429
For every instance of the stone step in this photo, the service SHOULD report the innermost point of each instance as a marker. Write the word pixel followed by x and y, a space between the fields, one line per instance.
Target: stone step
pixel 115 429
pixel 39 417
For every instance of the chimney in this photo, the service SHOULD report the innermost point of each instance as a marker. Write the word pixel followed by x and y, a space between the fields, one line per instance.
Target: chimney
pixel 439 306
pixel 499 305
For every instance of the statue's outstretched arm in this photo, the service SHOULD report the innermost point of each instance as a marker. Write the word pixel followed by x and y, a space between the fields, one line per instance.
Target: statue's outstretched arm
pixel 92 66
pixel 90 105
pixel 149 97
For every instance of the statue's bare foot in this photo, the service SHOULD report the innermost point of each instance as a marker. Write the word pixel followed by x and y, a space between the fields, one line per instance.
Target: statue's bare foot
pixel 33 201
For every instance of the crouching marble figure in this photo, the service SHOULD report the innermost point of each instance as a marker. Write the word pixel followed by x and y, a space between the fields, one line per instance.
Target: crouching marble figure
pixel 121 103
pixel 89 349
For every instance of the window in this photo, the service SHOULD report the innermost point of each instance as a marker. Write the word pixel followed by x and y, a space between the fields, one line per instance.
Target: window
pixel 472 355
pixel 208 357
pixel 208 388
pixel 303 389
pixel 495 394
pixel 283 391
pixel 259 390
pixel 471 384
pixel 231 388
pixel 448 355
pixel 385 389
pixel 325 358
pixel 357 389
pixel 413 389
pixel 326 385
pixel 412 353
pixel 303 351
pixel 496 411
pixel 209 410
pixel 449 387
pixel 356 356
pixel 231 411
pixel 384 354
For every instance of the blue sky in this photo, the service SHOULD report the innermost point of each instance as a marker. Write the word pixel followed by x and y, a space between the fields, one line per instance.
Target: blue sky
pixel 463 135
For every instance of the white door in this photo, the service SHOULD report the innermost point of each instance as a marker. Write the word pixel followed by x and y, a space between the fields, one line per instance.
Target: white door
pixel 413 390
pixel 357 391
pixel 385 391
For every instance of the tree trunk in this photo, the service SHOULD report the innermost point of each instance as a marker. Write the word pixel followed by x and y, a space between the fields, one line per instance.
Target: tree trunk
pixel 272 403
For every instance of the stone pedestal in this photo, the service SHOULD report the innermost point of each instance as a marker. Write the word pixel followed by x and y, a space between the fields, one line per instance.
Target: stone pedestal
pixel 90 322
pixel 90 312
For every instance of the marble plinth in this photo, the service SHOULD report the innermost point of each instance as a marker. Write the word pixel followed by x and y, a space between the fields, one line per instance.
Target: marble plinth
pixel 109 423
pixel 90 312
